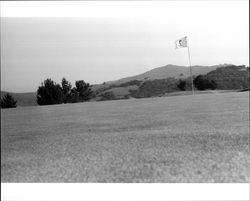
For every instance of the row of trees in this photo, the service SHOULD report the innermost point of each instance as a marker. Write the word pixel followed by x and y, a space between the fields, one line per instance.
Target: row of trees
pixel 50 93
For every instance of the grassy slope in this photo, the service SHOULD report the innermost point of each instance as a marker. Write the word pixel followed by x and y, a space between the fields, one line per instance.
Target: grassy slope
pixel 122 91
pixel 202 138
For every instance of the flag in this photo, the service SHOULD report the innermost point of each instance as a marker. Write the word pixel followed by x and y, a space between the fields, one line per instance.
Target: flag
pixel 181 43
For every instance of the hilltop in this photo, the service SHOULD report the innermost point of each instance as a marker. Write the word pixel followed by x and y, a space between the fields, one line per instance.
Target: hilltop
pixel 168 71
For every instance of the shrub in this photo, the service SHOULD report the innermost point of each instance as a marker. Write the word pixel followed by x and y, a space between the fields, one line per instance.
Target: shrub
pixel 8 101
pixel 109 95
pixel 202 83
pixel 155 88
pixel 182 85
pixel 129 83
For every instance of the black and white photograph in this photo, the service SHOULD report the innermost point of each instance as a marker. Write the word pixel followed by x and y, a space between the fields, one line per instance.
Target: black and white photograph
pixel 125 92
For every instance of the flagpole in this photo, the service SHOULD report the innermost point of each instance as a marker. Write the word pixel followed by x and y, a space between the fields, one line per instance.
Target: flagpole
pixel 190 70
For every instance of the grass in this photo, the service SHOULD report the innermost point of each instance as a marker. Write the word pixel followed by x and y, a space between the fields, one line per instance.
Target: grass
pixel 201 138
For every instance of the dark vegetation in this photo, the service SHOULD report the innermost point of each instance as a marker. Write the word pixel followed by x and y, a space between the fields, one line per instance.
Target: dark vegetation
pixel 109 95
pixel 66 89
pixel 8 101
pixel 100 90
pixel 202 83
pixel 50 93
pixel 228 77
pixel 81 92
pixel 184 84
pixel 155 88
pixel 129 83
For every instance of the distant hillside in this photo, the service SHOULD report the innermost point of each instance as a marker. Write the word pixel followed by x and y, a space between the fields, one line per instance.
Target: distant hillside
pixel 227 77
pixel 168 71
pixel 23 99
pixel 122 86
pixel 230 77
pixel 157 73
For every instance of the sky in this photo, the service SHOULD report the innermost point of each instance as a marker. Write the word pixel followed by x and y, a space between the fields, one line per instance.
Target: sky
pixel 108 40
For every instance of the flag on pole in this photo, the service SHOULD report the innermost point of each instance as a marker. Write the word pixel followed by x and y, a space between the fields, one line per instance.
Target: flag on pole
pixel 181 43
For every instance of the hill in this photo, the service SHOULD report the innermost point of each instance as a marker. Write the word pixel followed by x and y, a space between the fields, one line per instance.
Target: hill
pixel 23 99
pixel 123 86
pixel 168 71
pixel 226 77
pixel 154 82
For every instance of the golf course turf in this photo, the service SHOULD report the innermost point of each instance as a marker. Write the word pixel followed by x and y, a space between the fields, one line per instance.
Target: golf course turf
pixel 200 138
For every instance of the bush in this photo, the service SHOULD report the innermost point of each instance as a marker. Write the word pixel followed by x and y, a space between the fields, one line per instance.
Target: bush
pixel 182 85
pixel 156 87
pixel 201 83
pixel 129 83
pixel 108 96
pixel 8 101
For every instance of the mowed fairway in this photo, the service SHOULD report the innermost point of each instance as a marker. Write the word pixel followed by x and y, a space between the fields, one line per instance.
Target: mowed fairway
pixel 201 138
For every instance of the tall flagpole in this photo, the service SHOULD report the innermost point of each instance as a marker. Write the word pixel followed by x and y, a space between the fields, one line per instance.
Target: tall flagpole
pixel 190 71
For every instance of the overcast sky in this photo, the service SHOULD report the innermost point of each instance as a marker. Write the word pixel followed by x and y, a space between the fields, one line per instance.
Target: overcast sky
pixel 103 41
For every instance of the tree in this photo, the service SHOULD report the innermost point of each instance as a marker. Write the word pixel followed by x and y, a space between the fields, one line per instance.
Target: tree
pixel 8 101
pixel 83 89
pixel 213 85
pixel 66 89
pixel 49 93
pixel 74 96
pixel 198 82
